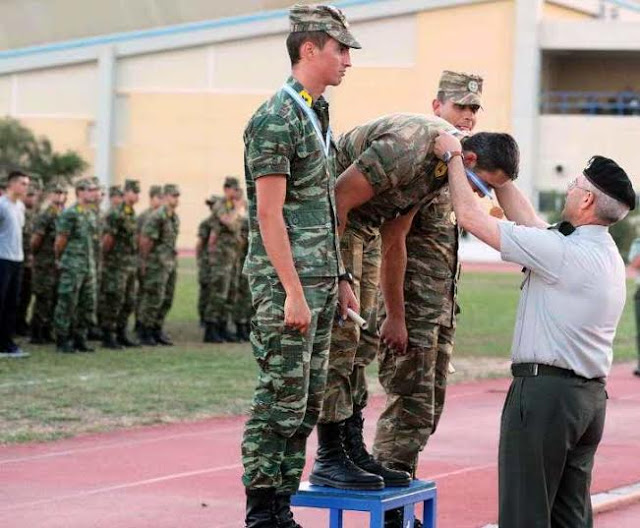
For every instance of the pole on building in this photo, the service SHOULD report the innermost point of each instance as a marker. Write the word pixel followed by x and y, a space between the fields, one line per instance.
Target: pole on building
pixel 105 115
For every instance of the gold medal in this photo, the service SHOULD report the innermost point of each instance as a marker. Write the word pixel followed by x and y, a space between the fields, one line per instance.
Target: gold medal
pixel 452 217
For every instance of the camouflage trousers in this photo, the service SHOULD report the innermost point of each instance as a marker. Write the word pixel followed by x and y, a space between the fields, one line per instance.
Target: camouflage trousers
pixel 117 295
pixel 204 282
pixel 239 298
pixel 415 384
pixel 220 282
pixel 24 300
pixel 76 303
pixel 45 285
pixel 353 349
pixel 156 293
pixel 291 381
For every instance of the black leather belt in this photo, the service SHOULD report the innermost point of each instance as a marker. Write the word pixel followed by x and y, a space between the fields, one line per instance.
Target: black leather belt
pixel 526 370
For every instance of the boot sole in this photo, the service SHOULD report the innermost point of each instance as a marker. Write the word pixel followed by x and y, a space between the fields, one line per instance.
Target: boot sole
pixel 397 483
pixel 321 481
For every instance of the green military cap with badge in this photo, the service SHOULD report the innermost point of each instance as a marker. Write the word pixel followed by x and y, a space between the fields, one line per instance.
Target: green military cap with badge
pixel 132 185
pixel 325 18
pixel 83 184
pixel 155 190
pixel 171 189
pixel 461 88
pixel 94 184
pixel 212 200
pixel 32 189
pixel 115 190
pixel 57 186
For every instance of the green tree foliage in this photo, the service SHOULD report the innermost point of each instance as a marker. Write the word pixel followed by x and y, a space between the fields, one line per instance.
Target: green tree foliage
pixel 21 149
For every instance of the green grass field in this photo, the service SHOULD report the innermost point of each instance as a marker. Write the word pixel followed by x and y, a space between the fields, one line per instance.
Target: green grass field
pixel 50 395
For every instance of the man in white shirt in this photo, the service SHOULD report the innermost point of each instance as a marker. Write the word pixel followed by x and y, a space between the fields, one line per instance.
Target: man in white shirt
pixel 572 298
pixel 11 259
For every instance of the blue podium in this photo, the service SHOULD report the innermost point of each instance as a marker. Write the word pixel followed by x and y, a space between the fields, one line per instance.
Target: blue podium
pixel 374 502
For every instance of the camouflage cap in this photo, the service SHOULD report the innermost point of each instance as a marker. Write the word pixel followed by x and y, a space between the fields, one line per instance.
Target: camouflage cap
pixel 83 184
pixel 325 18
pixel 155 190
pixel 461 88
pixel 94 183
pixel 132 185
pixel 231 181
pixel 57 186
pixel 115 190
pixel 171 188
pixel 33 188
pixel 212 200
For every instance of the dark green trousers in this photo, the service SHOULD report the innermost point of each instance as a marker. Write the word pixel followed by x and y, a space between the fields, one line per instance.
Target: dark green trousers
pixel 551 427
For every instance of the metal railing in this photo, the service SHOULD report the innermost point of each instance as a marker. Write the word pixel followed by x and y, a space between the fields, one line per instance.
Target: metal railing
pixel 624 103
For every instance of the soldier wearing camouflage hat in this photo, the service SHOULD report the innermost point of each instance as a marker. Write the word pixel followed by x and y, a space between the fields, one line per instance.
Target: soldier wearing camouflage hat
pixel 31 208
pixel 292 265
pixel 202 257
pixel 156 199
pixel 159 263
pixel 418 316
pixel 74 250
pixel 45 274
pixel 222 252
pixel 119 265
pixel 116 196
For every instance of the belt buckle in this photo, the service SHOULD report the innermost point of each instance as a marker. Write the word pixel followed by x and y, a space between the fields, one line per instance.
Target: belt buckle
pixel 534 369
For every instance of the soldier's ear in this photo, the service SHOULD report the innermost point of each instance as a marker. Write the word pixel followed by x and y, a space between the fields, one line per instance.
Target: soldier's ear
pixel 470 158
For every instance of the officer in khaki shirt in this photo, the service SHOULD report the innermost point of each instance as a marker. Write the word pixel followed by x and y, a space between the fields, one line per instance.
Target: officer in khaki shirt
pixel 573 294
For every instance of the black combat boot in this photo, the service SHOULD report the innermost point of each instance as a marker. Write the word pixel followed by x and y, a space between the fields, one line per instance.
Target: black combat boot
pixel 46 334
pixel 123 338
pixel 146 336
pixel 81 345
pixel 65 345
pixel 109 340
pixel 36 334
pixel 260 504
pixel 161 337
pixel 212 333
pixel 334 468
pixel 224 333
pixel 242 332
pixel 94 334
pixel 357 451
pixel 282 511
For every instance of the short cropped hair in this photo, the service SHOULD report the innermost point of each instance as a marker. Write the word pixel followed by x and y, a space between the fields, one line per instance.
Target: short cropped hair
pixel 607 208
pixel 297 39
pixel 15 174
pixel 495 151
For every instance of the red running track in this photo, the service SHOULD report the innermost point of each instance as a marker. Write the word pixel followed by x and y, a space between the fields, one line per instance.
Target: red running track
pixel 188 475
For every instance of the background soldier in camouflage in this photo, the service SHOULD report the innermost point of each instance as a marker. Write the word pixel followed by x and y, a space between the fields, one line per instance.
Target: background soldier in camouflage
pixel 97 197
pixel 45 274
pixel 415 359
pixel 158 268
pixel 239 301
pixel 76 303
pixel 293 261
pixel 116 196
pixel 156 199
pixel 119 266
pixel 222 249
pixel 202 257
pixel 31 204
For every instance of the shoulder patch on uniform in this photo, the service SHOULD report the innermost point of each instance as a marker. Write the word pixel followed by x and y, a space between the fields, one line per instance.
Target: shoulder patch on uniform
pixel 441 169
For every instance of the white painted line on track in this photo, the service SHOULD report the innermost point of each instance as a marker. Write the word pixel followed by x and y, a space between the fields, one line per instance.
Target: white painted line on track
pixel 118 487
pixel 116 445
pixel 460 471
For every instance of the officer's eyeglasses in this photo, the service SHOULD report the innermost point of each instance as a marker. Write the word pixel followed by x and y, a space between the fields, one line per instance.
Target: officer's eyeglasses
pixel 573 184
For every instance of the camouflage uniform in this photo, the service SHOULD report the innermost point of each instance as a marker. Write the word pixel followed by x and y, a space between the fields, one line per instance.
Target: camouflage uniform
pixel 76 303
pixel 24 300
pixel 45 275
pixel 280 139
pixel 154 190
pixel 395 154
pixel 240 296
pixel 222 257
pixel 159 280
pixel 119 266
pixel 202 261
pixel 415 382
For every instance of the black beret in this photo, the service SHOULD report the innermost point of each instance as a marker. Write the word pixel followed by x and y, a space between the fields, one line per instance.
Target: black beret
pixel 607 176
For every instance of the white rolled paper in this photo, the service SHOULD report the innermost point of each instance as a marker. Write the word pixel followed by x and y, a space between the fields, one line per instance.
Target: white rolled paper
pixel 355 317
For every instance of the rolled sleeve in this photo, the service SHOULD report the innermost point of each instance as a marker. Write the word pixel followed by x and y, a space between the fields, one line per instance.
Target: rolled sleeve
pixel 540 250
pixel 269 147
pixel 387 163
pixel 152 226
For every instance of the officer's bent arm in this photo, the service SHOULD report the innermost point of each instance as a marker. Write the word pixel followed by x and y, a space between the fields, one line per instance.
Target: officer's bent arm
pixel 270 195
pixel 35 242
pixel 517 207
pixel 352 190
pixel 60 244
pixel 468 211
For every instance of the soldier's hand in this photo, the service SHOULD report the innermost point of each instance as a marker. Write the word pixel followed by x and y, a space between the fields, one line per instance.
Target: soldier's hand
pixel 296 313
pixel 393 334
pixel 446 142
pixel 346 299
